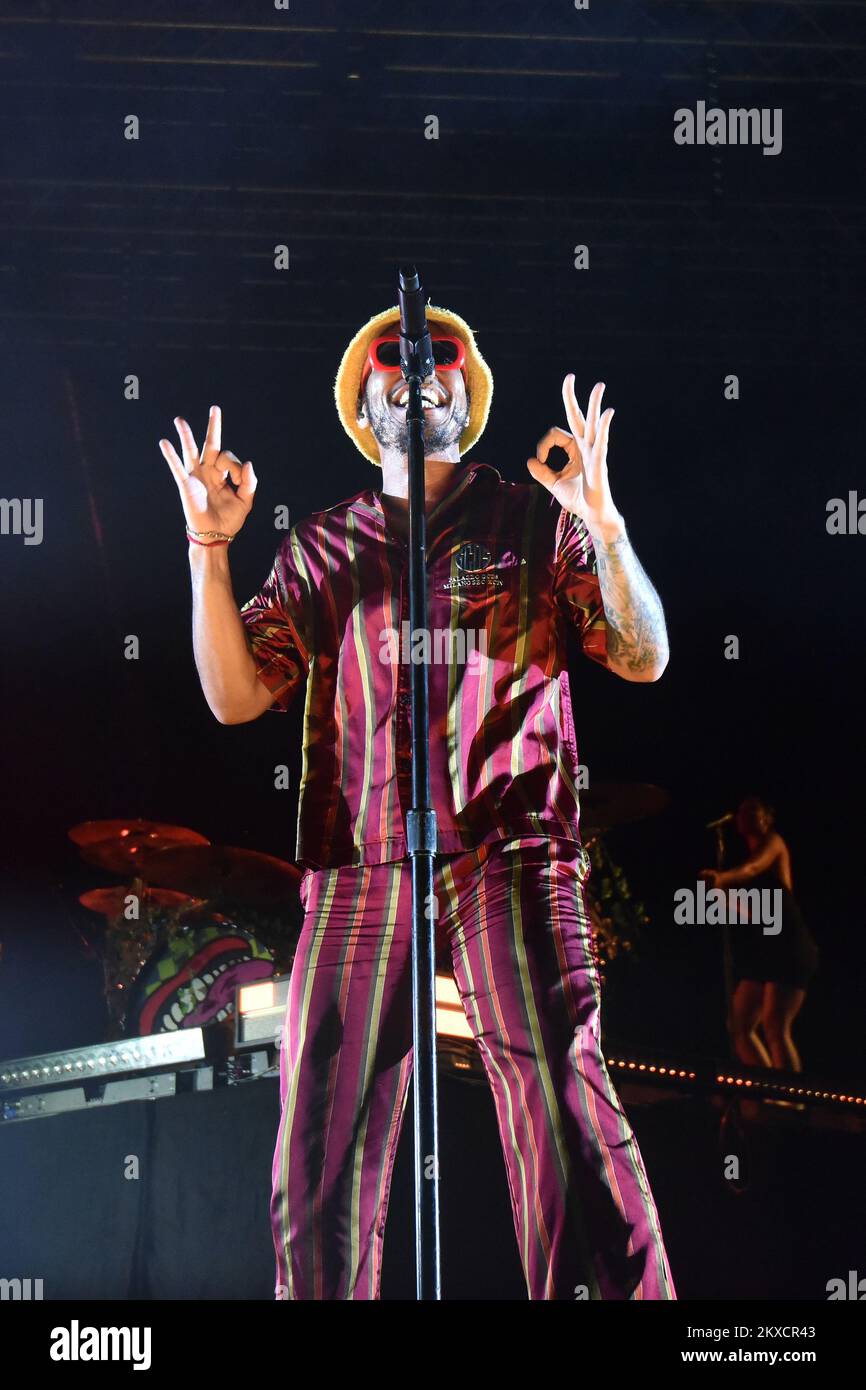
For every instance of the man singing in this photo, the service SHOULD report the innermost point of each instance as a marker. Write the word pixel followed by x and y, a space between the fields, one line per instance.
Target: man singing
pixel 511 568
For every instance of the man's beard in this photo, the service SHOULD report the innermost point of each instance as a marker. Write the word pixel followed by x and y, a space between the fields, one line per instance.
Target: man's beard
pixel 393 433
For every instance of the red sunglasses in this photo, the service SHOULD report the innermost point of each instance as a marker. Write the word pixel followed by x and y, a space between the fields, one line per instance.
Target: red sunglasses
pixel 449 354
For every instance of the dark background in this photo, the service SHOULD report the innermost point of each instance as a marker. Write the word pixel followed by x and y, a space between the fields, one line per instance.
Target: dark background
pixel 173 1234
pixel 155 258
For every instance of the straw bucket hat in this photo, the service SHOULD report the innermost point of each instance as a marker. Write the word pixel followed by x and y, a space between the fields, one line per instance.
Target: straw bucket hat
pixel 479 380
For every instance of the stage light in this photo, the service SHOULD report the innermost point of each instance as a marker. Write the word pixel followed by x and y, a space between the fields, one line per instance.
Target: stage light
pixel 451 1021
pixel 260 1009
pixel 253 998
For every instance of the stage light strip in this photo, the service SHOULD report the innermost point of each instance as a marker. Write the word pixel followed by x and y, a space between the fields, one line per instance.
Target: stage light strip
pixel 103 1059
pixel 729 1080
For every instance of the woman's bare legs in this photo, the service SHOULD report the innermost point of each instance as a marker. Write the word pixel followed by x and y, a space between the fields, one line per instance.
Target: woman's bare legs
pixel 746 1007
pixel 781 1005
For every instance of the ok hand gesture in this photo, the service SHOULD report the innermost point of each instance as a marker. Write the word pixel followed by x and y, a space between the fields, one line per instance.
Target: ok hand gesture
pixel 582 486
pixel 215 488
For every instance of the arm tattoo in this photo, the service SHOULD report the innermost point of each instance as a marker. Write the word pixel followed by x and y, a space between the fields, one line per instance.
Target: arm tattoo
pixel 637 641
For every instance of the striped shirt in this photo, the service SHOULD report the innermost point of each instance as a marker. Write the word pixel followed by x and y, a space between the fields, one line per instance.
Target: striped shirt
pixel 509 573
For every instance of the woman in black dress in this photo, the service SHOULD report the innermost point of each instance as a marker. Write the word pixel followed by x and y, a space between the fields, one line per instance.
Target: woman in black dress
pixel 772 972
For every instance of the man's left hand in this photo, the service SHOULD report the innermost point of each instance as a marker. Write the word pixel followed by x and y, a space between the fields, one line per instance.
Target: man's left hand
pixel 582 486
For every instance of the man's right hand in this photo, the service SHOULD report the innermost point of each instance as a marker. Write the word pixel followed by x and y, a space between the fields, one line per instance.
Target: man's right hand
pixel 204 481
pixel 217 494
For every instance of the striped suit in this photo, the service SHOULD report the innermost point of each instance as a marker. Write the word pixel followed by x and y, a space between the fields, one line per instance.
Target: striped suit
pixel 509 575
pixel 509 568
pixel 513 916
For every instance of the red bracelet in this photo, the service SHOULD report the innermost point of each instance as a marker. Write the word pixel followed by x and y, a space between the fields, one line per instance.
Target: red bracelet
pixel 206 544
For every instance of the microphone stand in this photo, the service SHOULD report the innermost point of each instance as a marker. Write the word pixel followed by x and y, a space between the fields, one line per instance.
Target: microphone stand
pixel 727 949
pixel 416 361
pixel 733 1138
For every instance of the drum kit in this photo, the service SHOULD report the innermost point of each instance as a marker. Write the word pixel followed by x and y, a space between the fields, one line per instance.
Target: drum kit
pixel 192 920
pixel 617 919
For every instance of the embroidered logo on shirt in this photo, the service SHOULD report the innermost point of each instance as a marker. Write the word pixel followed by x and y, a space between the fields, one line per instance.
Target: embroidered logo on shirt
pixel 478 569
pixel 472 556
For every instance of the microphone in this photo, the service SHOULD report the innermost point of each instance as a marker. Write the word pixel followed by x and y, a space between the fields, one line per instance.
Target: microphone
pixel 723 820
pixel 416 347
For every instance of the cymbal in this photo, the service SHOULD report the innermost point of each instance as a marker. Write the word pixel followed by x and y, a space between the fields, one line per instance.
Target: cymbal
pixel 211 871
pixel 118 844
pixel 111 902
pixel 609 804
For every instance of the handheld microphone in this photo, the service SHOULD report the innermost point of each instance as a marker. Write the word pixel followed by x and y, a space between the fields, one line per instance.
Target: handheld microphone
pixel 723 820
pixel 416 347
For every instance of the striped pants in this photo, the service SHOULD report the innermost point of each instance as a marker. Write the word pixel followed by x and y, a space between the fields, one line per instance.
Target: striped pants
pixel 513 915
